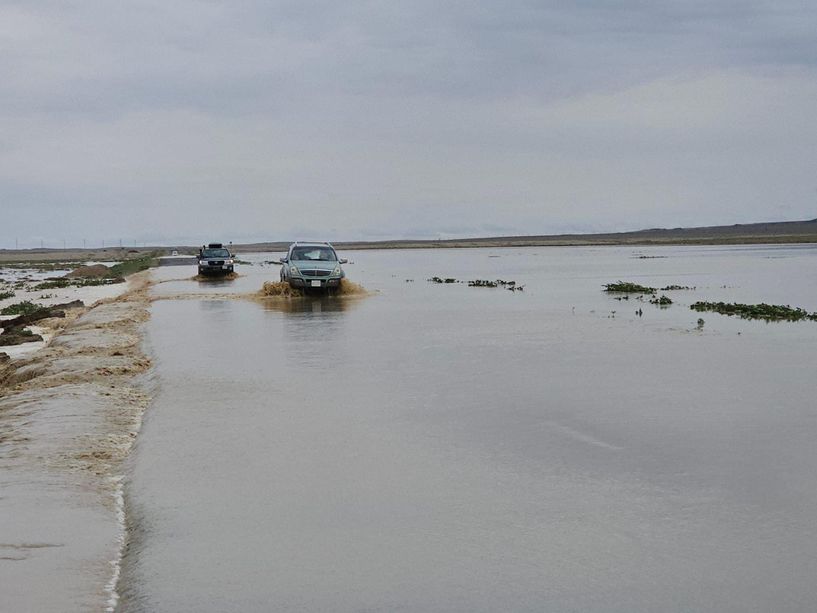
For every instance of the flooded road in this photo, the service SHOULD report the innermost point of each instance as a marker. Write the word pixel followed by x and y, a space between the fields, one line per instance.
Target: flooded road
pixel 447 448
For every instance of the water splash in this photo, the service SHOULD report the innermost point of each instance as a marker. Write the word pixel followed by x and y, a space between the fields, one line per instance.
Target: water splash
pixel 282 289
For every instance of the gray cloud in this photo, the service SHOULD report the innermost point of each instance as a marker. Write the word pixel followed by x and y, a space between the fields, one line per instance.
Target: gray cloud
pixel 147 119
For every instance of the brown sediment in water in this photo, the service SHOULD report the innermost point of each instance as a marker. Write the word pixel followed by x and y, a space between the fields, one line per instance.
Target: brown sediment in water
pixel 69 415
pixel 99 348
pixel 228 277
pixel 350 288
pixel 281 289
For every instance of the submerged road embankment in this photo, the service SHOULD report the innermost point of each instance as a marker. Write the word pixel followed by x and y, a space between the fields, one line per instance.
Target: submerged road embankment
pixel 69 414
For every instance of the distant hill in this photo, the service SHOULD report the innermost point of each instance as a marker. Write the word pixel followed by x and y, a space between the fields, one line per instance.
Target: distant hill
pixel 753 233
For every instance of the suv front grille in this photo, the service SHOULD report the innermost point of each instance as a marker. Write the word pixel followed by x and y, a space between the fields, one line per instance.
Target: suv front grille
pixel 316 273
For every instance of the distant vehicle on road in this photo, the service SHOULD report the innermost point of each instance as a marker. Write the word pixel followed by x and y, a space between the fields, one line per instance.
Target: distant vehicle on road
pixel 312 266
pixel 215 259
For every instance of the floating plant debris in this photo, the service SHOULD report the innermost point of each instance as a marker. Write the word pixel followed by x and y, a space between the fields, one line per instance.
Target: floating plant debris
pixel 766 312
pixel 628 288
pixel 512 286
pixel 662 301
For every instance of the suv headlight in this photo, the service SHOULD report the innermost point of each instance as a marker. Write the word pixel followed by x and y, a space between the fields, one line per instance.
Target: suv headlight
pixel 228 262
pixel 336 271
pixel 294 270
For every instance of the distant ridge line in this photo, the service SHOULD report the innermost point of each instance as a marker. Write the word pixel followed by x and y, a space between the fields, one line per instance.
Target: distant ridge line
pixel 782 232
pixel 750 233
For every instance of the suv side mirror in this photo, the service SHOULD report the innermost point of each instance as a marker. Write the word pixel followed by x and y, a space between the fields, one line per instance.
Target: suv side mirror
pixel 283 260
pixel 344 261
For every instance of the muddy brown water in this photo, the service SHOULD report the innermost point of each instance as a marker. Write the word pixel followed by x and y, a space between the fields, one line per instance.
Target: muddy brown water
pixel 446 448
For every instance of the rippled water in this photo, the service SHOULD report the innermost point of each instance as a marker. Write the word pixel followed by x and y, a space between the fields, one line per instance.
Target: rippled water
pixel 446 448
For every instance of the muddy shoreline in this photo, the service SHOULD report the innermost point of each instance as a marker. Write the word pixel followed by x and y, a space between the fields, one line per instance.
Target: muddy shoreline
pixel 69 415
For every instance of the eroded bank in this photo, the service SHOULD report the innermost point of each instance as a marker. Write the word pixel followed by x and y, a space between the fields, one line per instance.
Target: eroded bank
pixel 69 414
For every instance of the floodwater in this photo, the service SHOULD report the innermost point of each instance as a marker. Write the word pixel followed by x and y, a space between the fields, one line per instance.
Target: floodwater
pixel 447 448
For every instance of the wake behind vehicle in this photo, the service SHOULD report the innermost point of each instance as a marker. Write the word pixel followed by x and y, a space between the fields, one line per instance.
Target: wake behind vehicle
pixel 215 259
pixel 312 266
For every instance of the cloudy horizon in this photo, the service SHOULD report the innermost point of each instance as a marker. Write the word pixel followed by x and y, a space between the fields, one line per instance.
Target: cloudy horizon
pixel 165 123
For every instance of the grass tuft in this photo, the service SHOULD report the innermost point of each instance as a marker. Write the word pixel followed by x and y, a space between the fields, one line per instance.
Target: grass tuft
pixel 21 308
pixel 129 267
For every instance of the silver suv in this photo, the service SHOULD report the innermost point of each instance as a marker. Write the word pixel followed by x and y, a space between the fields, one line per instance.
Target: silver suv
pixel 312 266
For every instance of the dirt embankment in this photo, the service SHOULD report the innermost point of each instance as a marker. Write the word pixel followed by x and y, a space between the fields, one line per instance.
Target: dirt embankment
pixel 94 271
pixel 16 330
pixel 69 415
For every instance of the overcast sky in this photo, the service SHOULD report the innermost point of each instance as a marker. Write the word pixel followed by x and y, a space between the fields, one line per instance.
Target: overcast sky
pixel 185 121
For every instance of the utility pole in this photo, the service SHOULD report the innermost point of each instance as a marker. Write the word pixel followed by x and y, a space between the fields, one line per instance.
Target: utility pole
pixel 83 243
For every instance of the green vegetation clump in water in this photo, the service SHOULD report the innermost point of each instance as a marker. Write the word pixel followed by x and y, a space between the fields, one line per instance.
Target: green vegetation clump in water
pixel 41 266
pixel 440 280
pixel 766 312
pixel 5 295
pixel 628 288
pixel 21 308
pixel 670 288
pixel 662 301
pixel 128 267
pixel 61 283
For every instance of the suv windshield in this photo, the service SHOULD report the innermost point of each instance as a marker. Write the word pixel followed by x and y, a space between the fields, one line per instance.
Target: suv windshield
pixel 317 254
pixel 215 253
